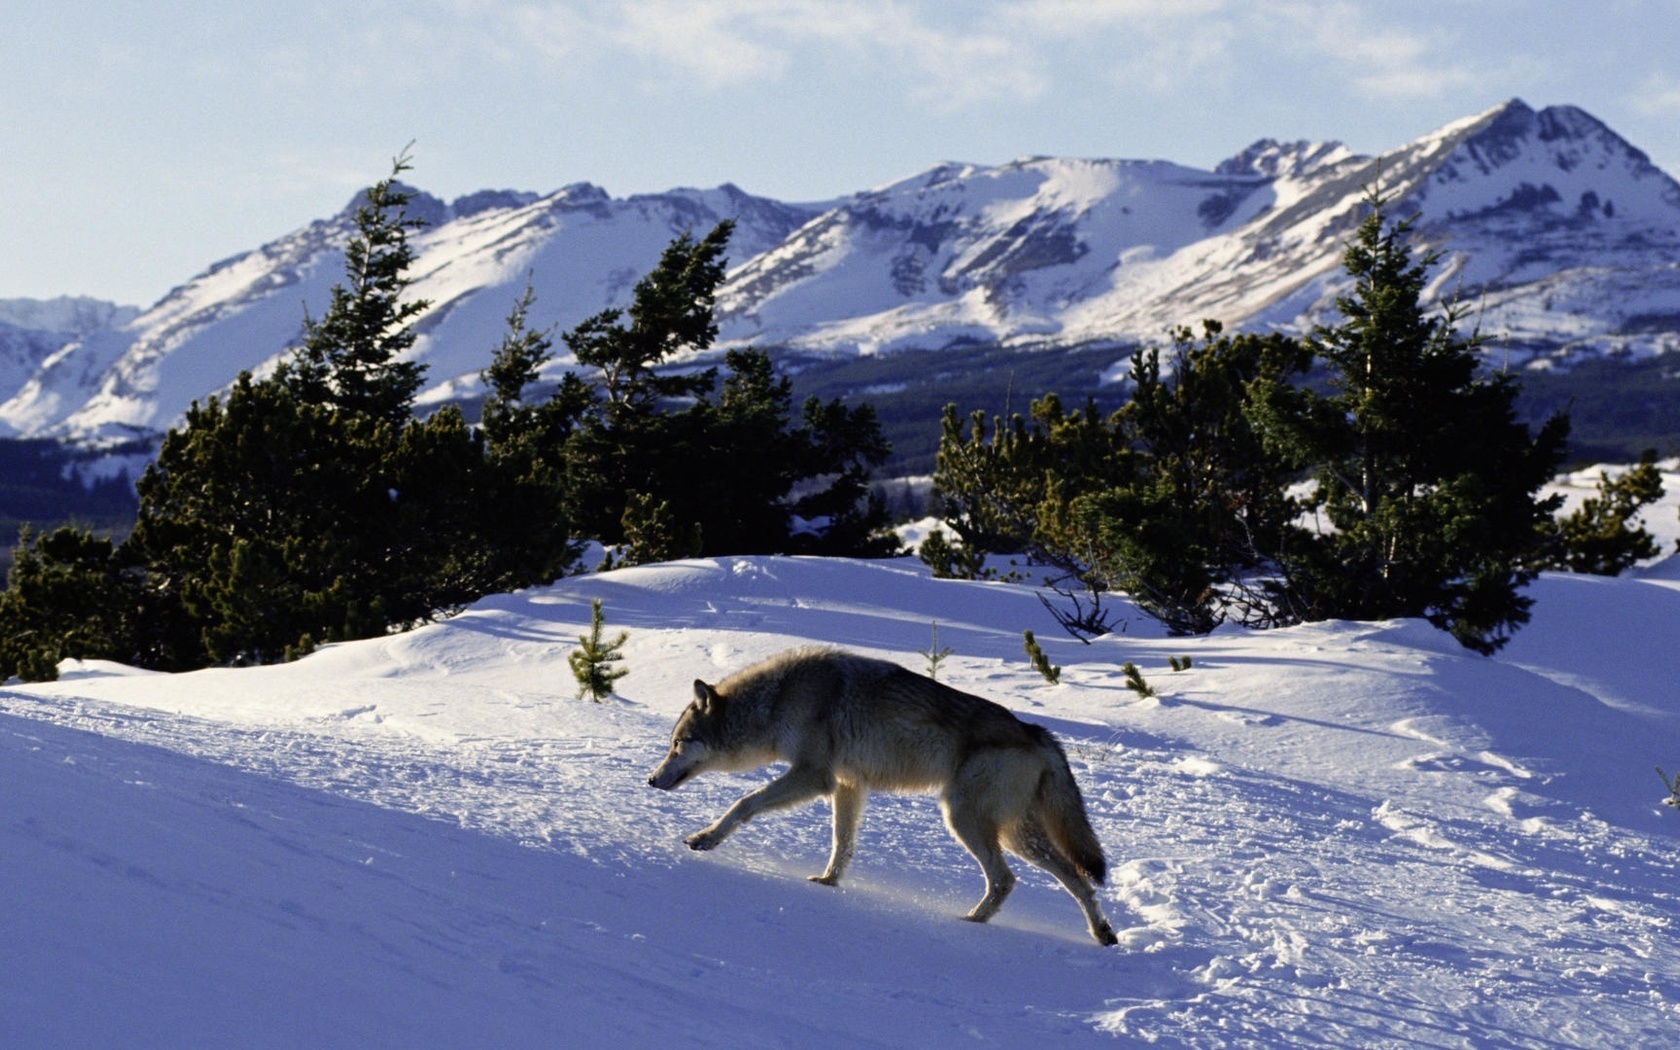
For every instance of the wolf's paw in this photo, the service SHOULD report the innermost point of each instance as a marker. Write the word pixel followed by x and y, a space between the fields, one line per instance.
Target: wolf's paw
pixel 1105 935
pixel 826 880
pixel 703 840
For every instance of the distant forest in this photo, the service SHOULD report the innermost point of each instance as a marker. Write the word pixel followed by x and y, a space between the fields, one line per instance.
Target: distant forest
pixel 39 486
pixel 1617 410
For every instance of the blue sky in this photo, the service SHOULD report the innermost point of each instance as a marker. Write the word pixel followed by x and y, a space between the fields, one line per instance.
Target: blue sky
pixel 144 139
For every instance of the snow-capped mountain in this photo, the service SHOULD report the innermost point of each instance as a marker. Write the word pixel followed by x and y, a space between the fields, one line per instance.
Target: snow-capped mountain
pixel 1564 231
pixel 32 330
pixel 1561 235
pixel 582 249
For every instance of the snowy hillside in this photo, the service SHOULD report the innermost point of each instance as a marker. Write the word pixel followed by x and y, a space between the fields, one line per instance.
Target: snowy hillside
pixel 32 330
pixel 1562 235
pixel 1343 834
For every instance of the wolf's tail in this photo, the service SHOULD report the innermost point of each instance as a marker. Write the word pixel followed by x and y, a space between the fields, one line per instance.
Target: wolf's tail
pixel 1061 808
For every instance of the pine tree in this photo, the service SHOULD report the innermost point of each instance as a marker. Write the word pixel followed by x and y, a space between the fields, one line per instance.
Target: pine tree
pixel 592 662
pixel 1041 662
pixel 652 533
pixel 728 464
pixel 530 529
pixel 1135 680
pixel 262 520
pixel 351 359
pixel 67 597
pixel 1205 505
pixel 936 654
pixel 310 507
pixel 1426 479
pixel 1603 535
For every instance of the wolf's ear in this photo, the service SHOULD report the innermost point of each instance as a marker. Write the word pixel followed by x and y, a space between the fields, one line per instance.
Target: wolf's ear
pixel 706 697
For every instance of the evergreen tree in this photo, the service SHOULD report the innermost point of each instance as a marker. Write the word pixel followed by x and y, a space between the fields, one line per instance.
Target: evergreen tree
pixel 530 527
pixel 1426 480
pixel 593 661
pixel 262 522
pixel 1426 484
pixel 311 507
pixel 351 359
pixel 1173 499
pixel 67 598
pixel 1603 535
pixel 1206 507
pixel 1040 661
pixel 714 469
pixel 1010 491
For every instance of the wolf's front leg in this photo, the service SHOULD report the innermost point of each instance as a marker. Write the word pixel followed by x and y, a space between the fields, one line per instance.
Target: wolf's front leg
pixel 848 811
pixel 798 784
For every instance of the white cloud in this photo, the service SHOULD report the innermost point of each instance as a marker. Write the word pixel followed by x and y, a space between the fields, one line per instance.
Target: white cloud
pixel 950 58
pixel 1071 18
pixel 1658 96
pixel 718 41
pixel 723 43
pixel 1378 57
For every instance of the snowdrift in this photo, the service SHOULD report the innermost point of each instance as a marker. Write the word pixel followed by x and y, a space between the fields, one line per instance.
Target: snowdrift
pixel 1343 834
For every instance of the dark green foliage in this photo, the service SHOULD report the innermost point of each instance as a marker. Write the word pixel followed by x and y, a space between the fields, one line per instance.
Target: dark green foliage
pixel 252 526
pixel 1135 681
pixel 696 466
pixel 592 662
pixel 950 561
pixel 997 490
pixel 1204 506
pixel 1426 480
pixel 1173 498
pixel 67 597
pixel 351 359
pixel 1041 663
pixel 652 533
pixel 1603 535
pixel 528 522
pixel 310 507
pixel 1179 663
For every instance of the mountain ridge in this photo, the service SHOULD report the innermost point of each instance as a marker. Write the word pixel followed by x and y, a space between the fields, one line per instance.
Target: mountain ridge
pixel 1563 235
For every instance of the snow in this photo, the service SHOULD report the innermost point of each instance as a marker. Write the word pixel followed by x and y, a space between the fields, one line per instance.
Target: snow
pixel 1342 834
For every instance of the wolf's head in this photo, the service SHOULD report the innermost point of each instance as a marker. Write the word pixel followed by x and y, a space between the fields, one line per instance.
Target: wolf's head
pixel 695 742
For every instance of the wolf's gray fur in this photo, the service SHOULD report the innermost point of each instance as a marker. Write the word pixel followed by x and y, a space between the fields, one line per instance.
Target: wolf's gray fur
pixel 847 725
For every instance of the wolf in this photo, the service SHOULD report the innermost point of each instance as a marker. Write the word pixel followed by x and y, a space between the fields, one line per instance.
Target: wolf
pixel 847 724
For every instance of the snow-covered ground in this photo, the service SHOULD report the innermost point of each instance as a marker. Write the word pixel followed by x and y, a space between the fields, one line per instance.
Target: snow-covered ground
pixel 1343 834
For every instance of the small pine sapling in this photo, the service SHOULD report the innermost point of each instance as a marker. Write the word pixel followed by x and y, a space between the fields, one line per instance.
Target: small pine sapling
pixel 1040 662
pixel 1673 786
pixel 1179 663
pixel 592 661
pixel 1134 680
pixel 935 655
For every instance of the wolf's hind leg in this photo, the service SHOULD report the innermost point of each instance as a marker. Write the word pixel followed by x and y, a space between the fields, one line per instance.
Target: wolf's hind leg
pixel 848 811
pixel 979 835
pixel 1029 840
pixel 798 784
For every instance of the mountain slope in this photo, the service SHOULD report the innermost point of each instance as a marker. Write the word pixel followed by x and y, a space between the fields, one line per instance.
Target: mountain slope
pixel 1569 231
pixel 583 250
pixel 1561 235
